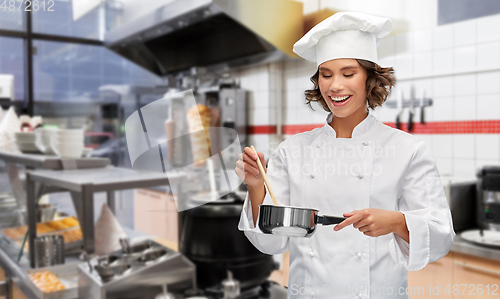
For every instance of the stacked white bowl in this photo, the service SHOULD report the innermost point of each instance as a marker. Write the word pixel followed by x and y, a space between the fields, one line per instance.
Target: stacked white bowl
pixel 68 143
pixel 25 142
pixel 43 140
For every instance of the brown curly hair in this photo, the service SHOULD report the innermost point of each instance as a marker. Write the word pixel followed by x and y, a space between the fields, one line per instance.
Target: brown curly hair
pixel 379 82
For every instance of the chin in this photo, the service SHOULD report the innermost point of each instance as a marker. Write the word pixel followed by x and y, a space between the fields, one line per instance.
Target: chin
pixel 341 113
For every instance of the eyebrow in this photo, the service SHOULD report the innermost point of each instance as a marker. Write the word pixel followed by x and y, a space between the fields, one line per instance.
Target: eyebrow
pixel 348 67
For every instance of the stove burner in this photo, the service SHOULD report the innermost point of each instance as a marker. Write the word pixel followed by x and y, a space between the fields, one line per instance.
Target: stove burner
pixel 262 291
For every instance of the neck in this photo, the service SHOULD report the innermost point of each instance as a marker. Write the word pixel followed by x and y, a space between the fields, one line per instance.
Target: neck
pixel 344 126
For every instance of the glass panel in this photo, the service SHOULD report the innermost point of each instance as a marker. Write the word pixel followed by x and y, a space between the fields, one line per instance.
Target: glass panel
pixel 11 15
pixel 59 21
pixel 68 78
pixel 65 72
pixel 12 62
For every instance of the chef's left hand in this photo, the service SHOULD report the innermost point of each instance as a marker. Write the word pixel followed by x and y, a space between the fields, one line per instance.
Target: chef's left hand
pixel 376 222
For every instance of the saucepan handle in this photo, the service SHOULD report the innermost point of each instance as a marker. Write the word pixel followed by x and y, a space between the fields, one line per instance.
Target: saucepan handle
pixel 329 220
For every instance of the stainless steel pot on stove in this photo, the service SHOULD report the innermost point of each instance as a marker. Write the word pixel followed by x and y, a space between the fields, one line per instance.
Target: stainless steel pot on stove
pixel 292 221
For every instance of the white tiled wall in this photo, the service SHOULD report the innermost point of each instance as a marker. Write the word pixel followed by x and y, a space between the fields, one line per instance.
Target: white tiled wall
pixel 457 65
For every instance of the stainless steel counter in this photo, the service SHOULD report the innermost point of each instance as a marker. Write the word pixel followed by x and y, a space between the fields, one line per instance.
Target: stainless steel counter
pixel 83 183
pixel 462 246
pixel 51 162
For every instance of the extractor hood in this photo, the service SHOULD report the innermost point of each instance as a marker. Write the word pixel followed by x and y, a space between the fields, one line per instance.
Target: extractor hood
pixel 209 33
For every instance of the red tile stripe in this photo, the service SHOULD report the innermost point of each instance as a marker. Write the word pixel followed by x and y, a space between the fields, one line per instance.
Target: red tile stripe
pixel 454 127
pixel 437 127
pixel 269 129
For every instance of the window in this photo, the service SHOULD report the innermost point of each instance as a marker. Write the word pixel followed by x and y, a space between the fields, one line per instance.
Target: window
pixel 12 62
pixel 73 72
pixel 60 21
pixel 11 16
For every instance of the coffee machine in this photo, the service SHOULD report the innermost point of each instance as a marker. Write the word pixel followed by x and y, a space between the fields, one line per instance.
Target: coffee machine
pixel 488 198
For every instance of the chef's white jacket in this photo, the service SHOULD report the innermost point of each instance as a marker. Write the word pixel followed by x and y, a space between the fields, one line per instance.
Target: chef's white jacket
pixel 379 167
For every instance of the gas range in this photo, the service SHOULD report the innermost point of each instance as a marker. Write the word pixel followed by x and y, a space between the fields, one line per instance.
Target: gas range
pixel 267 290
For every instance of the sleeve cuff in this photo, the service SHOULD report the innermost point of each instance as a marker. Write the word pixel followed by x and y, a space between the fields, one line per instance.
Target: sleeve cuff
pixel 246 219
pixel 414 255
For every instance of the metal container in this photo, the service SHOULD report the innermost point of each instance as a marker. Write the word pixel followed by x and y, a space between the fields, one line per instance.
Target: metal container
pixel 45 212
pixel 292 221
pixel 49 251
pixel 67 274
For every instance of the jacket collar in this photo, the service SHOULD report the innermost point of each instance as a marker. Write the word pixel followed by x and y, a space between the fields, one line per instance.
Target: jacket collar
pixel 363 127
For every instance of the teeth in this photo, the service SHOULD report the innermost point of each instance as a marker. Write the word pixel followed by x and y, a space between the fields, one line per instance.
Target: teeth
pixel 338 99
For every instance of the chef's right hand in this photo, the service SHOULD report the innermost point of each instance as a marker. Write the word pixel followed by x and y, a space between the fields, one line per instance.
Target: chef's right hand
pixel 247 168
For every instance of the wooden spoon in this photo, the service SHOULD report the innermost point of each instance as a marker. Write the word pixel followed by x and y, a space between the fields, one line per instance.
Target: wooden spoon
pixel 261 168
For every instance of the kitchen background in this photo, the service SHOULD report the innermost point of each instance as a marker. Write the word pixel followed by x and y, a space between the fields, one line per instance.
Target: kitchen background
pixel 445 50
pixel 456 64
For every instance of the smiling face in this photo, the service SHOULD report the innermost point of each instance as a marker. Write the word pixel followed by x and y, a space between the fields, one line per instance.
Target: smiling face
pixel 342 83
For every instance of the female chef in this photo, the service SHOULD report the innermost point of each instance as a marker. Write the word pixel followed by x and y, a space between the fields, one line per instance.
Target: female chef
pixel 382 179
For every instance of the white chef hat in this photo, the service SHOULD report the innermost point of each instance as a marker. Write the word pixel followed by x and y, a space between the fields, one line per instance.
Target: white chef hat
pixel 344 35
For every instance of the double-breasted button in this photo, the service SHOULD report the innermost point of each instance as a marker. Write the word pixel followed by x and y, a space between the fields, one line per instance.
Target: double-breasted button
pixel 365 143
pixel 359 255
pixel 311 253
pixel 318 145
pixel 360 176
pixel 312 175
pixel 360 295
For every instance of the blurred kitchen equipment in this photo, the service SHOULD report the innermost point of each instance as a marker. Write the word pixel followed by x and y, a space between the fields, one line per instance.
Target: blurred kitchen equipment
pixel 43 140
pixel 165 294
pixel 488 196
pixel 7 86
pixel 68 143
pixel 143 275
pixel 462 201
pixel 422 108
pixel 44 213
pixel 485 238
pixel 230 286
pixel 25 141
pixel 487 209
pixel 25 123
pixel 84 256
pixel 411 110
pixel 49 251
pixel 400 104
pixel 166 38
pixel 124 243
pixel 206 231
pixel 292 221
pixel 399 109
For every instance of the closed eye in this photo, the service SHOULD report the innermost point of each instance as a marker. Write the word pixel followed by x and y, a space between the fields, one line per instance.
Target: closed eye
pixel 349 75
pixel 325 76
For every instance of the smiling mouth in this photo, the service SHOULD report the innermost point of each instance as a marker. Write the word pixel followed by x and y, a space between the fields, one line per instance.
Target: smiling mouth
pixel 340 99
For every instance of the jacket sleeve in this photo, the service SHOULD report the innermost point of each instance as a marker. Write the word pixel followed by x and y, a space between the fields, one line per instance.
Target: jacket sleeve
pixel 277 175
pixel 427 214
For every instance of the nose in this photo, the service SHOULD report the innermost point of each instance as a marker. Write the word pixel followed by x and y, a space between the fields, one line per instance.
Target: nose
pixel 336 84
